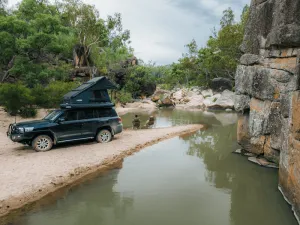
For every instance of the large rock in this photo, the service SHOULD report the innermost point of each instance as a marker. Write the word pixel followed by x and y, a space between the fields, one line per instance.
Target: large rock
pixel 244 79
pixel 226 101
pixel 167 102
pixel 179 95
pixel 211 100
pixel 259 117
pixel 221 84
pixel 207 93
pixel 195 102
pixel 271 84
pixel 241 103
pixel 249 59
pixel 272 23
pixel 270 153
pixel 243 136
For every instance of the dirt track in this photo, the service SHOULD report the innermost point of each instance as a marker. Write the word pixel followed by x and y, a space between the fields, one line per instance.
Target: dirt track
pixel 27 176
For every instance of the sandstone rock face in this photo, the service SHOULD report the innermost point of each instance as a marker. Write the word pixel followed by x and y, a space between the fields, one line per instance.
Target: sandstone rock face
pixel 242 103
pixel 249 59
pixel 267 90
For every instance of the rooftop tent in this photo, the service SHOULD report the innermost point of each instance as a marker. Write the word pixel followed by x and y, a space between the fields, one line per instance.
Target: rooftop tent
pixel 92 92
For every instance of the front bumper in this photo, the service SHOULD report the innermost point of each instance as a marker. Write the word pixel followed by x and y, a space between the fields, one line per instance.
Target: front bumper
pixel 17 137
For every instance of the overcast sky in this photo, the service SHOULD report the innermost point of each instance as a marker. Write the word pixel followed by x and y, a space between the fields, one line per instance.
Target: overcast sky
pixel 161 28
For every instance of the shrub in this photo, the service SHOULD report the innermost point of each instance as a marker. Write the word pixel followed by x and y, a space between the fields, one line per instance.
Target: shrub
pixel 123 97
pixel 28 112
pixel 14 97
pixel 52 95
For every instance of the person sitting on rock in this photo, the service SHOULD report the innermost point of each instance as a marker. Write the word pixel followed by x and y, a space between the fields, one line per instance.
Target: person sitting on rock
pixel 150 122
pixel 136 123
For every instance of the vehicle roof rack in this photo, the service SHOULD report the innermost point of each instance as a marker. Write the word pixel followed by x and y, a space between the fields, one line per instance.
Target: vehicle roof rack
pixel 81 106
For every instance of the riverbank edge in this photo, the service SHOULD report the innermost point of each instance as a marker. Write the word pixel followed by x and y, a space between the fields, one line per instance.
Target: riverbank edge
pixel 292 205
pixel 21 204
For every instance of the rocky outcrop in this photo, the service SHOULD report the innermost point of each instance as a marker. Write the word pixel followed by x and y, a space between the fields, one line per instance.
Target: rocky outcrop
pixel 195 98
pixel 267 90
pixel 221 84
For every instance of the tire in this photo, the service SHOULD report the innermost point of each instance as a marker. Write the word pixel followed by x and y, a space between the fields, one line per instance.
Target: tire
pixel 42 143
pixel 104 136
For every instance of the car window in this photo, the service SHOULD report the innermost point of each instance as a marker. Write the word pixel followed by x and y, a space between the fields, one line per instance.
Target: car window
pixel 106 112
pixel 71 115
pixel 89 114
pixel 86 114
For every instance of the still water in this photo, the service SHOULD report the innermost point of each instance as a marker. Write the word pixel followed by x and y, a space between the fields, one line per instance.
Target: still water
pixel 192 180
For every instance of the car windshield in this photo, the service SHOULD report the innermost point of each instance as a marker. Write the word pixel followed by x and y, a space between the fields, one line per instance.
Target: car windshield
pixel 53 115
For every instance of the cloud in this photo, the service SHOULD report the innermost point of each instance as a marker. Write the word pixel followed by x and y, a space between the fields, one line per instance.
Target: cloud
pixel 160 28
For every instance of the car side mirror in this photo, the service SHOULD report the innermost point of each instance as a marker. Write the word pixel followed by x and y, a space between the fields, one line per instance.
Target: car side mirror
pixel 60 120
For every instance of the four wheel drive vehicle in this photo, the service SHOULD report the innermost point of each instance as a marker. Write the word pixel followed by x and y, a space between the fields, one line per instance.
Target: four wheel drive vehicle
pixel 67 125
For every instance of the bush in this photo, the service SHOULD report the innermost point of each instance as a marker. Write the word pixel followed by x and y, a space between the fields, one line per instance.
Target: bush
pixel 123 97
pixel 28 112
pixel 14 97
pixel 52 95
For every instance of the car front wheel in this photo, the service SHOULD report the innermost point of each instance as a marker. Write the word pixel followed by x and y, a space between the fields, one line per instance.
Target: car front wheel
pixel 104 136
pixel 42 143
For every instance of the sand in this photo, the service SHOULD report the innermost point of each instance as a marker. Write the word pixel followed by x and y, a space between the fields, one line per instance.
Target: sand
pixel 27 176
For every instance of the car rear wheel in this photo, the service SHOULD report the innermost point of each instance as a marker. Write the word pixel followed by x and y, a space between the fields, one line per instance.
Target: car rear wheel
pixel 104 136
pixel 42 143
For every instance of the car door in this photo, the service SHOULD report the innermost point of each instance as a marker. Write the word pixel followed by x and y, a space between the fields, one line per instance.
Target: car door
pixel 90 122
pixel 69 129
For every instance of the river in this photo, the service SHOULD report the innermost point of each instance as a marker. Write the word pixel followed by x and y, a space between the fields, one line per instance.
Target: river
pixel 192 179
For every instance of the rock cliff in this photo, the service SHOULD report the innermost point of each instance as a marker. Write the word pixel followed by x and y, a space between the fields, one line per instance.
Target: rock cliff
pixel 267 90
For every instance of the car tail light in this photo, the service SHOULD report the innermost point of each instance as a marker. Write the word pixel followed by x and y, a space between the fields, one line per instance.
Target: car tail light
pixel 120 120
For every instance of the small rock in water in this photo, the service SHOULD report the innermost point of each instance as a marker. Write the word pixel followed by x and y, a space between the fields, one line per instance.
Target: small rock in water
pixel 238 151
pixel 249 154
pixel 263 162
pixel 228 110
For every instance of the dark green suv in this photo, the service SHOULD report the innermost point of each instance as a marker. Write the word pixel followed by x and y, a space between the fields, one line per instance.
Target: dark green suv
pixel 67 125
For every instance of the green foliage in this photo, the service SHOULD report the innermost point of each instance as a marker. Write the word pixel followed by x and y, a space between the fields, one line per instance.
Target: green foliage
pixel 14 97
pixel 28 112
pixel 123 97
pixel 138 79
pixel 52 95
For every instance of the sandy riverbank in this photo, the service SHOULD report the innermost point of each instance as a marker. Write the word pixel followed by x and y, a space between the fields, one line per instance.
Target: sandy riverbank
pixel 27 176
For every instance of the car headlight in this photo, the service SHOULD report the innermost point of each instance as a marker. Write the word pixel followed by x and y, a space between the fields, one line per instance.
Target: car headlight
pixel 20 130
pixel 28 129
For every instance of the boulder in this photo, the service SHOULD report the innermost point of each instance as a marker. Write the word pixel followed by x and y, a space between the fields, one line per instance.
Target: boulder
pixel 259 117
pixel 160 92
pixel 195 102
pixel 155 98
pixel 167 102
pixel 211 100
pixel 221 84
pixel 271 84
pixel 272 23
pixel 244 79
pixel 226 101
pixel 207 93
pixel 270 153
pixel 243 137
pixel 249 59
pixel 179 95
pixel 241 103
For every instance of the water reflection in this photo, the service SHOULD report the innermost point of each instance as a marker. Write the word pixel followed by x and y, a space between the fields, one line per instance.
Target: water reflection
pixel 255 198
pixel 192 179
pixel 86 204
